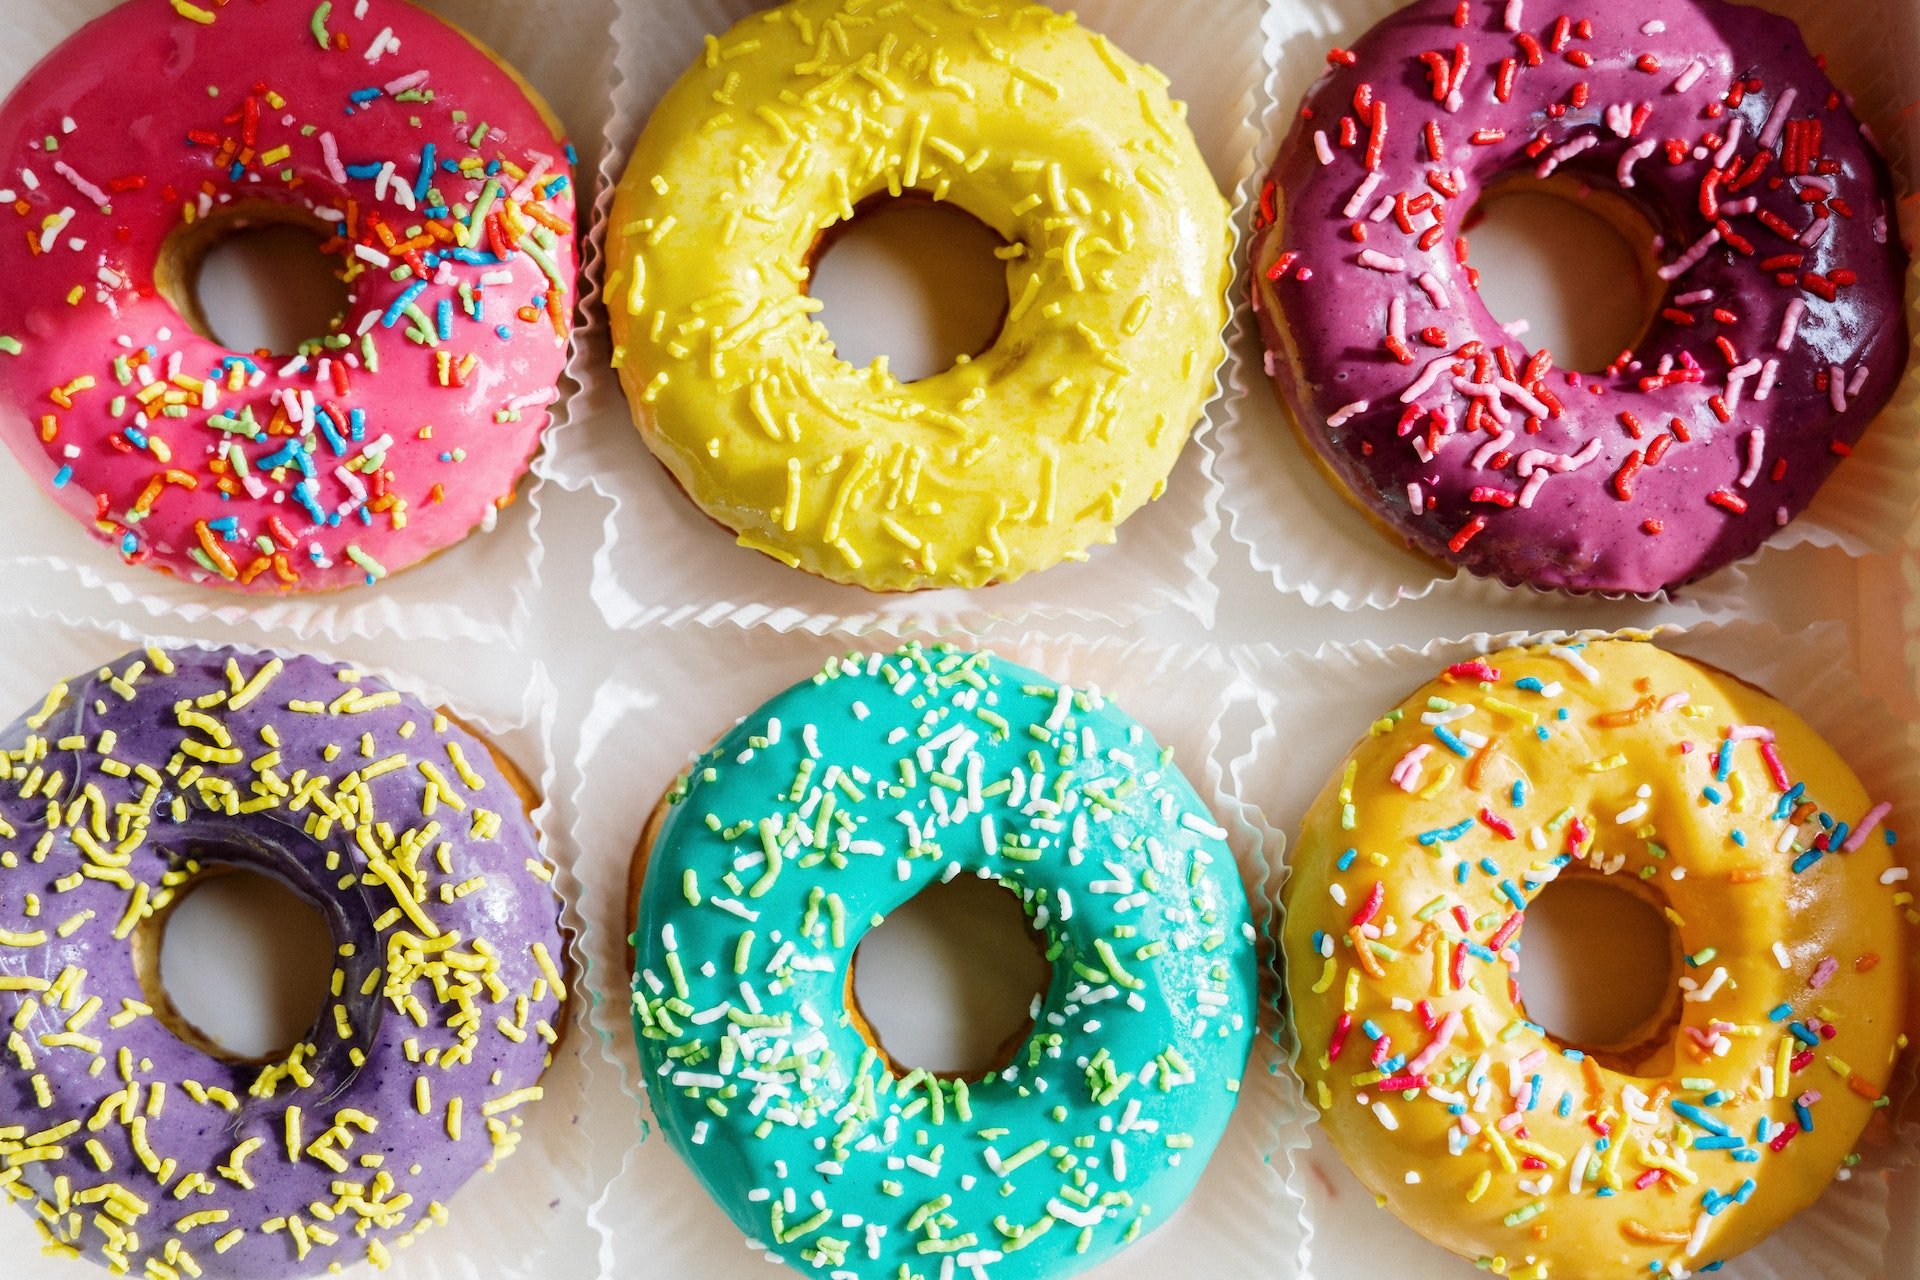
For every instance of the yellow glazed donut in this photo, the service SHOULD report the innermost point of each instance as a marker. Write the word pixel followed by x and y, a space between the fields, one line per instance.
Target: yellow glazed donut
pixel 1117 246
pixel 1701 1131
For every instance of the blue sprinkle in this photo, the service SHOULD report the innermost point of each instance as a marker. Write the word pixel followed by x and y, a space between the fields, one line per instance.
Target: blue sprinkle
pixel 1346 860
pixel 1489 866
pixel 425 179
pixel 357 424
pixel 401 303
pixel 335 441
pixel 364 171
pixel 1513 895
pixel 1740 838
pixel 444 319
pixel 129 545
pixel 1443 834
pixel 1479 952
pixel 1712 794
pixel 1719 1142
pixel 1370 1029
pixel 1804 1115
pixel 1519 793
pixel 1780 1012
pixel 555 187
pixel 1454 744
pixel 364 96
pixel 1530 683
pixel 573 157
pixel 1695 1115
pixel 1804 1034
pixel 61 477
pixel 1807 859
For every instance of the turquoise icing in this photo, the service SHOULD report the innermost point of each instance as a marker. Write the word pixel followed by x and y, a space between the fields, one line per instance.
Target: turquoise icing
pixel 830 807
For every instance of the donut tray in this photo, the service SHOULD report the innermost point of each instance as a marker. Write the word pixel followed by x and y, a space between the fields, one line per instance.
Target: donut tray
pixel 605 632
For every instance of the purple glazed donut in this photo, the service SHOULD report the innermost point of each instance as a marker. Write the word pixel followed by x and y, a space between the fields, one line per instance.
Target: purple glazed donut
pixel 1779 335
pixel 133 1143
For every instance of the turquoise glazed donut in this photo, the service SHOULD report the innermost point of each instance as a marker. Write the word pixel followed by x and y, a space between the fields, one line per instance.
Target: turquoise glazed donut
pixel 830 807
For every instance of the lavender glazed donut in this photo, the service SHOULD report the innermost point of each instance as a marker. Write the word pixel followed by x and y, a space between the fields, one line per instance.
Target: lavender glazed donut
pixel 131 1140
pixel 1779 335
pixel 443 189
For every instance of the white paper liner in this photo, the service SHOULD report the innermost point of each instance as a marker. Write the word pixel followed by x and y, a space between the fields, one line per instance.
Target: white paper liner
pixel 528 1219
pixel 1312 707
pixel 479 589
pixel 662 705
pixel 664 560
pixel 1300 531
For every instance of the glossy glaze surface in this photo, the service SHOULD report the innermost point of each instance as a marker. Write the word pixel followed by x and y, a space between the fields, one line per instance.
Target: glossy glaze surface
pixel 1778 335
pixel 139 1150
pixel 1701 1131
pixel 444 193
pixel 831 806
pixel 1028 454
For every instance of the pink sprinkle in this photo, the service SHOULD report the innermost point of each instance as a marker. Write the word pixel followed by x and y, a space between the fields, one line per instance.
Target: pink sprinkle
pixel 1623 172
pixel 1837 388
pixel 1867 824
pixel 1564 152
pixel 1823 973
pixel 1406 774
pixel 1341 415
pixel 1361 194
pixel 1790 324
pixel 1749 733
pixel 1690 77
pixel 1449 1027
pixel 1378 261
pixel 1691 258
pixel 1777 118
pixel 1776 769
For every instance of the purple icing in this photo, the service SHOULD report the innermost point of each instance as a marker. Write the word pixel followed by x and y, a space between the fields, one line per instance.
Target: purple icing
pixel 1537 498
pixel 513 914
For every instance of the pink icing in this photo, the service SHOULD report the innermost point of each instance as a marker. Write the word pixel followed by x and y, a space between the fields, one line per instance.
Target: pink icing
pixel 309 472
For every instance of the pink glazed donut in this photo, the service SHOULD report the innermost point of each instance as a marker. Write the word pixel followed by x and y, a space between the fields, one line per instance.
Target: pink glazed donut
pixel 439 181
pixel 1779 334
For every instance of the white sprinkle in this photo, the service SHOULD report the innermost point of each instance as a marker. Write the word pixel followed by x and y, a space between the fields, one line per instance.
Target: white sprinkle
pixel 1321 147
pixel 1573 658
pixel 1511 21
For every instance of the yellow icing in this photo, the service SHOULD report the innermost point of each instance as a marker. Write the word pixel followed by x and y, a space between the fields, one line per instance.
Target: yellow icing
pixel 1674 844
pixel 1117 263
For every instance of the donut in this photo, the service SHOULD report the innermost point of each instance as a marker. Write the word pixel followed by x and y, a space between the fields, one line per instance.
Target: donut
pixel 136 1143
pixel 831 806
pixel 1694 1135
pixel 1028 453
pixel 1764 212
pixel 437 180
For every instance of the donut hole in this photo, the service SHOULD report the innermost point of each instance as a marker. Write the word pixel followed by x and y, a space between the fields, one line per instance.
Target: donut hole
pixel 238 966
pixel 910 282
pixel 255 279
pixel 1570 267
pixel 949 982
pixel 1600 969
